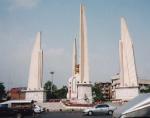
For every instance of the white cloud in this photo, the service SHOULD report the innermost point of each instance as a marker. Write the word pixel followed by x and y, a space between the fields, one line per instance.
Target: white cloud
pixel 27 4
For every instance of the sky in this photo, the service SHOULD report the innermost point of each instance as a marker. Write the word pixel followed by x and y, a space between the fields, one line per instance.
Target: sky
pixel 58 20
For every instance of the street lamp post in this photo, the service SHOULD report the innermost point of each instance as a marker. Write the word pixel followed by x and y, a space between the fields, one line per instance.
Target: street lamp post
pixel 52 76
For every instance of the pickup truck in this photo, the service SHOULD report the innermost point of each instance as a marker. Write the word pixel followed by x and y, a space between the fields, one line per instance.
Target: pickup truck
pixel 16 108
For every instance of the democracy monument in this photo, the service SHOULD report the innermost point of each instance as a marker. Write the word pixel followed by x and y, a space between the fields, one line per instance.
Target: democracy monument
pixel 79 85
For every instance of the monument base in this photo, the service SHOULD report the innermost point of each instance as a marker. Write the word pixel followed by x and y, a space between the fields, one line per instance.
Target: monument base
pixel 36 95
pixel 126 93
pixel 84 93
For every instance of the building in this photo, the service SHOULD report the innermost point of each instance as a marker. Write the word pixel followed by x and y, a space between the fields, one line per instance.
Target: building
pixel 17 93
pixel 106 89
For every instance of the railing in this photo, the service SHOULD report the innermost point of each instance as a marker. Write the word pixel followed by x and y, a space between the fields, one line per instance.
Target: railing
pixel 54 100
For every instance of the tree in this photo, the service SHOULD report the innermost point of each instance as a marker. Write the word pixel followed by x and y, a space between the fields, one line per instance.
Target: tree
pixel 96 92
pixel 55 93
pixel 61 93
pixel 50 90
pixel 147 90
pixel 2 91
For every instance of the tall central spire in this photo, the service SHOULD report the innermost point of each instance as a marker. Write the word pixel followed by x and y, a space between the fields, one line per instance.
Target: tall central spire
pixel 79 87
pixel 84 65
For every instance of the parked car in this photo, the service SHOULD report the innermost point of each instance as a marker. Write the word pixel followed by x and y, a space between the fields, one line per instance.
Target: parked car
pixel 16 108
pixel 100 109
pixel 137 107
pixel 38 109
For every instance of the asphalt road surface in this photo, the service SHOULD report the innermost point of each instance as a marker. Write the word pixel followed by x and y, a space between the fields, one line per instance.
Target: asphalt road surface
pixel 67 115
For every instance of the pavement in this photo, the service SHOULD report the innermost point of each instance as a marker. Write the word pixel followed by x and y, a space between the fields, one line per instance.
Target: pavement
pixel 66 115
pixel 52 106
pixel 57 106
pixel 54 112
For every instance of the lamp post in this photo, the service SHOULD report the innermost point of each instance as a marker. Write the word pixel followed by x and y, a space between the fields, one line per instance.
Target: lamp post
pixel 52 76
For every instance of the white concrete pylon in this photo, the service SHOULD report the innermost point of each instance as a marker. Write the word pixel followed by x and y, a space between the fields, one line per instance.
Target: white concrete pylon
pixel 84 64
pixel 128 74
pixel 36 66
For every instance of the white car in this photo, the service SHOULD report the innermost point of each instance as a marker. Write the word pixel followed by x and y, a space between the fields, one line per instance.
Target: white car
pixel 38 109
pixel 137 107
pixel 100 109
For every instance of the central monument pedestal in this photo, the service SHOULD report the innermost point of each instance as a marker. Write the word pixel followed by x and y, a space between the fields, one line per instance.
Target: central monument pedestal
pixel 84 93
pixel 126 93
pixel 36 95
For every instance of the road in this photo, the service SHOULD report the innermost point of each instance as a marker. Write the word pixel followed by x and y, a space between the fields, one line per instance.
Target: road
pixel 67 115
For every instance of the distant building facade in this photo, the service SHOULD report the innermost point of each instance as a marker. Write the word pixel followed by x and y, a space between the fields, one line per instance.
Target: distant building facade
pixel 106 89
pixel 17 93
